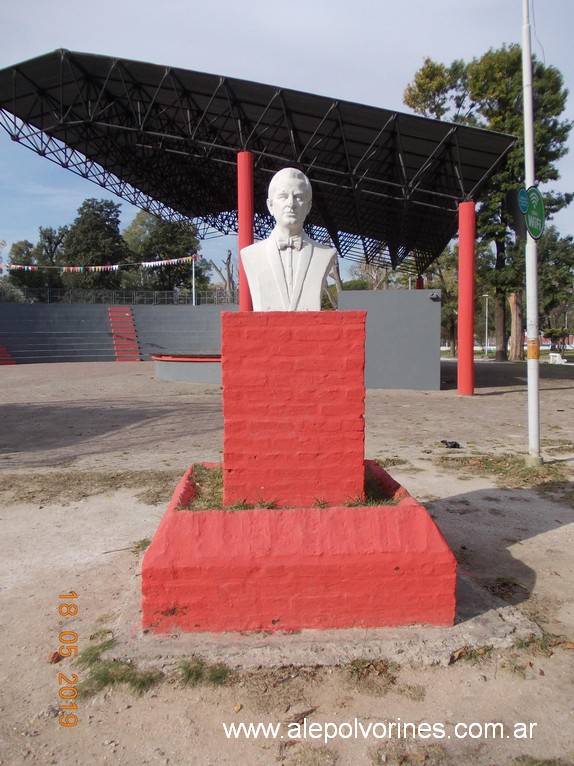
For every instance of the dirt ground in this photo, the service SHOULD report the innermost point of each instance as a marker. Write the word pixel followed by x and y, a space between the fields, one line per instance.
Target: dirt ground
pixel 89 456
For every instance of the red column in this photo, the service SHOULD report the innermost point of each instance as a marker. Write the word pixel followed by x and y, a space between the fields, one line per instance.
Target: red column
pixel 244 220
pixel 466 242
pixel 420 282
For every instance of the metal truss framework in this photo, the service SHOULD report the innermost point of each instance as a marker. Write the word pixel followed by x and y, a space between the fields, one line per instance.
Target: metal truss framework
pixel 386 185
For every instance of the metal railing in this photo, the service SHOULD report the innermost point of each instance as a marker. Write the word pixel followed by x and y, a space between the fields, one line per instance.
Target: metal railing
pixel 124 297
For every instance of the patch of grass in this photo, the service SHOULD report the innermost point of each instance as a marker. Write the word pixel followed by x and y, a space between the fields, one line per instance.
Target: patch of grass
pixel 141 545
pixel 209 493
pixel 63 487
pixel 91 655
pixel 544 644
pixel 113 672
pixel 557 445
pixel 399 753
pixel 561 491
pixel 110 672
pixel 507 588
pixel 196 671
pixel 374 493
pixel 373 676
pixel 358 668
pixel 513 666
pixel 390 462
pixel 101 634
pixel 208 488
pixel 414 692
pixel 471 654
pixel 310 755
pixel 509 470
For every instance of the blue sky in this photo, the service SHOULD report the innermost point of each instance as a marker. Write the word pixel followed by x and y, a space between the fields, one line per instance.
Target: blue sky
pixel 366 51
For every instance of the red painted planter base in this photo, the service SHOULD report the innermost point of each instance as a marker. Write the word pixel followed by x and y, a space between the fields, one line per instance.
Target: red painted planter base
pixel 288 569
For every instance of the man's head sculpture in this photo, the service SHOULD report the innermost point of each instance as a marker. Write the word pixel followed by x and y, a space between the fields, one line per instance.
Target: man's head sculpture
pixel 289 199
pixel 287 271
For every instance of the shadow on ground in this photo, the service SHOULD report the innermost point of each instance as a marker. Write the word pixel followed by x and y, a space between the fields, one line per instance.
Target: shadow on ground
pixel 487 531
pixel 50 427
pixel 490 374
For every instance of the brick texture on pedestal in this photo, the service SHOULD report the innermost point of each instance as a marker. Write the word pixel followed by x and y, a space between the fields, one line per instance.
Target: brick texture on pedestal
pixel 293 568
pixel 293 405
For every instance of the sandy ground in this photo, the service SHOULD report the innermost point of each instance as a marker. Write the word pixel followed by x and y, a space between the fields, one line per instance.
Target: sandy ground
pixel 69 430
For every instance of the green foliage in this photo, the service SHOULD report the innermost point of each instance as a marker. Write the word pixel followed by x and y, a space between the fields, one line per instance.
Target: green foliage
pixel 151 239
pixel 10 293
pixel 110 672
pixel 46 254
pixel 22 254
pixel 556 277
pixel 438 91
pixel 196 671
pixel 113 672
pixel 92 654
pixel 487 92
pixel 94 239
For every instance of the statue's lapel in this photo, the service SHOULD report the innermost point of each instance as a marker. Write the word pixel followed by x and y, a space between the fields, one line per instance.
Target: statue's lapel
pixel 276 263
pixel 302 259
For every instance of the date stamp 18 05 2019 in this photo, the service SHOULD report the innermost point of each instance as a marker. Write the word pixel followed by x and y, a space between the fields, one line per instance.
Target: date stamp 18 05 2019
pixel 69 648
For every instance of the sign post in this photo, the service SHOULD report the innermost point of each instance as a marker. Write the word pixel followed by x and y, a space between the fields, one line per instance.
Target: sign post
pixel 534 216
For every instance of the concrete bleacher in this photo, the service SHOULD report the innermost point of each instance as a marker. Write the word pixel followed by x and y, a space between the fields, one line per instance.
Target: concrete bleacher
pixel 56 333
pixel 179 330
pixel 37 332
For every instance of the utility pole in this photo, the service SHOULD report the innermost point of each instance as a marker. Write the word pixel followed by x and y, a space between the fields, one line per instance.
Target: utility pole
pixel 532 334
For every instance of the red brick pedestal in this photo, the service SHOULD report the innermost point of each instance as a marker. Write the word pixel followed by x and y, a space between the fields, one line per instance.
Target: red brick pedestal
pixel 293 406
pixel 294 436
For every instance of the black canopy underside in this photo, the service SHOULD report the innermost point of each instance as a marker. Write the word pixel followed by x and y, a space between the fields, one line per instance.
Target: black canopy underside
pixel 386 185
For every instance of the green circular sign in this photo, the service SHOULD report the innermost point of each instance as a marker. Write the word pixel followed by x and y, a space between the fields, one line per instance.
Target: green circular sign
pixel 523 201
pixel 534 215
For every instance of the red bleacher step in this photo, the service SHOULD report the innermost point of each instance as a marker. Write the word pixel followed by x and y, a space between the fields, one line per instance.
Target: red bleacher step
pixel 124 336
pixel 6 357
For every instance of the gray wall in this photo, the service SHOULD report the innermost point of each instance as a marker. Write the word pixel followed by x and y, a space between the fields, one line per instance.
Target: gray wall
pixel 403 337
pixel 179 329
pixel 403 334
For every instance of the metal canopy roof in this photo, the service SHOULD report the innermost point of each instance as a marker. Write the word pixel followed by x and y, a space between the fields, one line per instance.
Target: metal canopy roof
pixel 386 185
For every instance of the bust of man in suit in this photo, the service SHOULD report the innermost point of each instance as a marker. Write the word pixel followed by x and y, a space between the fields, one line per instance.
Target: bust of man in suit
pixel 287 271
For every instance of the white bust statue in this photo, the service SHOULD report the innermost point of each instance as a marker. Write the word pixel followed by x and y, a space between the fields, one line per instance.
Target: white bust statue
pixel 287 271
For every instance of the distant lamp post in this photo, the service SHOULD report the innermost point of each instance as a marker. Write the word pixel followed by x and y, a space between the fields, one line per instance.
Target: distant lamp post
pixel 194 258
pixel 486 326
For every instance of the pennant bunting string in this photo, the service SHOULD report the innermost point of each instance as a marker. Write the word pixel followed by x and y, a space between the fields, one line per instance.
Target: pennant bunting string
pixel 105 267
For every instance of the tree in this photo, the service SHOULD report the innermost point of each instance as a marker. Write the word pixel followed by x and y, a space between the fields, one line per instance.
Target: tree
pixel 46 255
pixel 556 280
pixel 22 254
pixel 49 253
pixel 94 239
pixel 228 277
pixel 151 239
pixel 487 93
pixel 372 276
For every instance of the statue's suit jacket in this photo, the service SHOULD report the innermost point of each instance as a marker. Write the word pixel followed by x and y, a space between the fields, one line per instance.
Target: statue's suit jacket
pixel 263 267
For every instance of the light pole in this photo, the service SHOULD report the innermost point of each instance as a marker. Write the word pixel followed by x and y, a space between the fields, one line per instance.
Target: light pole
pixel 532 339
pixel 486 326
pixel 193 280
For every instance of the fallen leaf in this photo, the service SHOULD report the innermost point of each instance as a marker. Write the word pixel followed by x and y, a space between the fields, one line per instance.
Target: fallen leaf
pixel 457 654
pixel 55 657
pixel 568 645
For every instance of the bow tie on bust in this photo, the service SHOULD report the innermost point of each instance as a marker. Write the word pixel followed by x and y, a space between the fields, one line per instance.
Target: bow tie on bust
pixel 294 242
